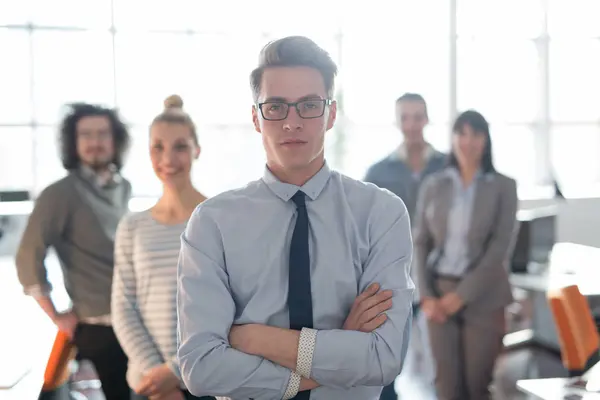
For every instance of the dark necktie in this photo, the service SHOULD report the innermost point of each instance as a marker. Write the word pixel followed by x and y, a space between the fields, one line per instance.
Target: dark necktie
pixel 299 293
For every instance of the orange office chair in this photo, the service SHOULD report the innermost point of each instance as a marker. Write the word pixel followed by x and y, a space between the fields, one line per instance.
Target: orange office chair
pixel 57 370
pixel 579 340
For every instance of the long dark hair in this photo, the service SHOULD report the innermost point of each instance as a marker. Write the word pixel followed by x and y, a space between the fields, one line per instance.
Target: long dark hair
pixel 478 123
pixel 68 133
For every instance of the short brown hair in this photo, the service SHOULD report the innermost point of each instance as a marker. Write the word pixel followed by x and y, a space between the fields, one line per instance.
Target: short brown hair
pixel 294 51
pixel 174 114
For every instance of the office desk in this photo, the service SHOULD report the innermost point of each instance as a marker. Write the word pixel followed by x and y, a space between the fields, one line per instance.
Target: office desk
pixel 27 334
pixel 570 264
pixel 554 389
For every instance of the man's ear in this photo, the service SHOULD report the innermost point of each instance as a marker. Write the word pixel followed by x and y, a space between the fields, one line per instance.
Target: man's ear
pixel 332 115
pixel 255 120
pixel 197 152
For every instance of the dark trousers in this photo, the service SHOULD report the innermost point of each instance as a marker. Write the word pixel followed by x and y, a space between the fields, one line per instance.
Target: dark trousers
pixel 100 346
pixel 187 395
pixel 388 393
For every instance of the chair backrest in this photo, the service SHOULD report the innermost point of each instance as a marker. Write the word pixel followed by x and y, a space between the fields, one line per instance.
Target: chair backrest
pixel 57 369
pixel 579 340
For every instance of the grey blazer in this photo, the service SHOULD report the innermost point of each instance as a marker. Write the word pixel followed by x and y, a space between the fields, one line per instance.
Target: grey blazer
pixel 491 238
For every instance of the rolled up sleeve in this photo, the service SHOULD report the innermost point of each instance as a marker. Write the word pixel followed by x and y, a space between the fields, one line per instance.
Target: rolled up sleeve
pixel 209 366
pixel 343 359
pixel 45 226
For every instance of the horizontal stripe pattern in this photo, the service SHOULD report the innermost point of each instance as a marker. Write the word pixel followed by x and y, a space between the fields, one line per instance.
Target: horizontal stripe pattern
pixel 144 291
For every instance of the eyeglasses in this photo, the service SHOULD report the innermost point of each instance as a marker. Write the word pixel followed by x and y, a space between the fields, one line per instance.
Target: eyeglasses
pixel 307 109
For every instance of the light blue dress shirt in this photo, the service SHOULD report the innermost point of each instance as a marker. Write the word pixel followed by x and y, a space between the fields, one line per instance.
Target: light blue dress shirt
pixel 233 269
pixel 455 259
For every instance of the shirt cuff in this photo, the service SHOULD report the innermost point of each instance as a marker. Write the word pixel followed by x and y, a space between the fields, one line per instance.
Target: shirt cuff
pixel 37 291
pixel 292 387
pixel 306 349
pixel 174 367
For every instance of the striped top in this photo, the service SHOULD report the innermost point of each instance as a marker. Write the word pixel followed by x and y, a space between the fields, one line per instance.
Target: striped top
pixel 144 291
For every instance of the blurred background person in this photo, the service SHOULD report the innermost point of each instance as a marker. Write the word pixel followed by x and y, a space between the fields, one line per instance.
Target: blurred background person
pixel 464 232
pixel 146 252
pixel 77 216
pixel 402 172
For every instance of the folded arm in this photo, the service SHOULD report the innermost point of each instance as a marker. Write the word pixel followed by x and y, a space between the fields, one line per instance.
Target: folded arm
pixel 344 358
pixel 126 318
pixel 492 264
pixel 206 310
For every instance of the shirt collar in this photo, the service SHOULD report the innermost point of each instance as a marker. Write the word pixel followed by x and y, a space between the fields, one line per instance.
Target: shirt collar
pixel 285 191
pixel 401 153
pixel 111 179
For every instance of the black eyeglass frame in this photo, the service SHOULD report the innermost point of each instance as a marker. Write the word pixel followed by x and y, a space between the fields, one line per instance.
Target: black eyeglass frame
pixel 326 102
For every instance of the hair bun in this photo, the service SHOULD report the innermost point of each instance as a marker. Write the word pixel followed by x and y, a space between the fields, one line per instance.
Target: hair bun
pixel 173 101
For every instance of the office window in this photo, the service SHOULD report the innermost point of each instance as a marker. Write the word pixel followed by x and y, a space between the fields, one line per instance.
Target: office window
pixel 508 19
pixel 514 152
pixel 365 144
pixel 174 15
pixel 70 67
pixel 573 18
pixel 533 81
pixel 16 160
pixel 574 155
pixel 14 12
pixel 311 18
pixel 15 79
pixel 231 157
pixel 149 67
pixel 574 80
pixel 376 70
pixel 47 164
pixel 218 100
pixel 499 78
pixel 138 168
pixel 83 14
pixel 374 77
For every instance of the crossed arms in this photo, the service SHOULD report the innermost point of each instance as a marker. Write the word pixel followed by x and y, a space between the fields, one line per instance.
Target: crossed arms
pixel 259 360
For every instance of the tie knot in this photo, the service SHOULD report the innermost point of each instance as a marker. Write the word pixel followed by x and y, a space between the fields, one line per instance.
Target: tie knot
pixel 299 198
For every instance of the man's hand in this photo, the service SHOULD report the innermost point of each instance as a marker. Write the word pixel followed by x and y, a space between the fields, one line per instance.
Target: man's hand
pixel 434 310
pixel 451 303
pixel 366 313
pixel 158 382
pixel 66 323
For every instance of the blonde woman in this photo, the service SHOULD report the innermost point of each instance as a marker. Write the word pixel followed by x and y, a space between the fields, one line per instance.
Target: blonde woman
pixel 146 251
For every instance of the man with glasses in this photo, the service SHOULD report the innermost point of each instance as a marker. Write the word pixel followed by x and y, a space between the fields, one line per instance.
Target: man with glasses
pixel 402 172
pixel 297 285
pixel 77 216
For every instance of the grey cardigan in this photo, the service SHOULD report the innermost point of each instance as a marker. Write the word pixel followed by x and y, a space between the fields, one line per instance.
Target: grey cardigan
pixel 82 237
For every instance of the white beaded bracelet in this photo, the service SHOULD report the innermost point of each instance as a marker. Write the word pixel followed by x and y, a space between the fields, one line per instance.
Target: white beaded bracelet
pixel 292 387
pixel 306 349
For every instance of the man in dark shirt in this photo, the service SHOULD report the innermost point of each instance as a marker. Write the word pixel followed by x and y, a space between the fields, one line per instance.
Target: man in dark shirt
pixel 77 216
pixel 402 172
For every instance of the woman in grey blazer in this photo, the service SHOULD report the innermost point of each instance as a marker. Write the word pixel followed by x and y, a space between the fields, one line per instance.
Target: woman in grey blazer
pixel 465 226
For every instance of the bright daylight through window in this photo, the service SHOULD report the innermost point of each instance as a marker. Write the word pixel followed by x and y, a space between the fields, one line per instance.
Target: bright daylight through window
pixel 537 82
